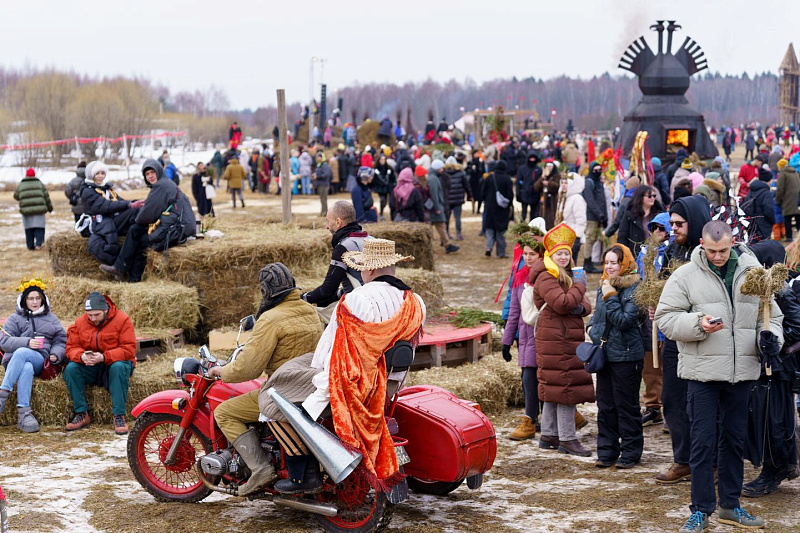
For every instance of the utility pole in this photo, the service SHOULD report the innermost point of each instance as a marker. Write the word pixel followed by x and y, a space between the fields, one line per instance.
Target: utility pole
pixel 286 189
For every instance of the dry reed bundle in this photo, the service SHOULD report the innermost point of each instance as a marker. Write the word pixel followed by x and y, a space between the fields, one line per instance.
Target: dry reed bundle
pixel 152 304
pixel 764 283
pixel 411 238
pixel 52 406
pixel 491 382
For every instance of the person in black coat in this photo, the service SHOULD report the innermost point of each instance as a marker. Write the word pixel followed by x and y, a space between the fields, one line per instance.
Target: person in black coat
pixel 526 178
pixel 759 205
pixel 497 216
pixel 596 213
pixel 679 157
pixel 200 180
pixel 383 182
pixel 385 131
pixel 771 436
pixel 643 208
pixel 660 181
pixel 458 188
pixel 546 186
pixel 510 156
pixel 476 169
pixel 175 226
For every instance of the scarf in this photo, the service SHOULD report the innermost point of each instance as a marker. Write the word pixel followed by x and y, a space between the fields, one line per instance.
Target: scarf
pixel 357 383
pixel 628 263
pixel 521 276
pixel 405 186
pixel 551 265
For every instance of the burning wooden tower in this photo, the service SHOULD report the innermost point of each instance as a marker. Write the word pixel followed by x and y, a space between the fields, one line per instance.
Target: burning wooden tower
pixel 789 93
pixel 664 112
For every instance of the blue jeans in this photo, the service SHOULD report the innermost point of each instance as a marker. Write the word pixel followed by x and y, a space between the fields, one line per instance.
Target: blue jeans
pixel 499 237
pixel 455 210
pixel 306 181
pixel 24 364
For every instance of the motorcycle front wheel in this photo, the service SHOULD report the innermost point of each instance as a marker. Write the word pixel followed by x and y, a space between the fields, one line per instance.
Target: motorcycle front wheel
pixel 361 508
pixel 148 444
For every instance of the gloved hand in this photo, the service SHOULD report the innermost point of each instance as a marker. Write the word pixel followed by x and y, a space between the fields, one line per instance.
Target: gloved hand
pixel 507 352
pixel 768 344
pixel 578 311
pixel 581 278
pixel 607 289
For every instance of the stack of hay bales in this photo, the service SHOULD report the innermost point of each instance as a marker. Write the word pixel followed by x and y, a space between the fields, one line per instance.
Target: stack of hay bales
pixel 411 238
pixel 69 256
pixel 491 382
pixel 225 270
pixel 52 406
pixel 368 134
pixel 151 305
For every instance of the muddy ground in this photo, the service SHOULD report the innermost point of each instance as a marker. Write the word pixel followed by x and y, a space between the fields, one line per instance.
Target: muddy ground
pixel 57 482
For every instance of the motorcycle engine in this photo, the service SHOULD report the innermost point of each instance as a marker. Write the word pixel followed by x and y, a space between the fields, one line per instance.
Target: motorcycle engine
pixel 219 463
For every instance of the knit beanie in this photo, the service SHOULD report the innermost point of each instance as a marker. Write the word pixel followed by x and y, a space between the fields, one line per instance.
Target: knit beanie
pixel 782 163
pixel 679 208
pixel 687 164
pixel 95 302
pixel 30 173
pixel 437 164
pixel 98 166
pixel 420 171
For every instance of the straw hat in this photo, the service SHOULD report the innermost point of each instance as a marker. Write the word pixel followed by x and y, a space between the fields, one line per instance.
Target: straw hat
pixel 378 253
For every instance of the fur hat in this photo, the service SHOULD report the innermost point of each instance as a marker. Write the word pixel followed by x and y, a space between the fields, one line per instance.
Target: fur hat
pixel 98 166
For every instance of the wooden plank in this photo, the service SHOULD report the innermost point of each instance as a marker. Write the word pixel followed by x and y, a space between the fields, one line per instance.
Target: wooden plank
pixel 437 352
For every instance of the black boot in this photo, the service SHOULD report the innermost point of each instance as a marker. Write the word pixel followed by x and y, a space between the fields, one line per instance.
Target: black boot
pixel 303 475
pixel 767 482
pixel 589 267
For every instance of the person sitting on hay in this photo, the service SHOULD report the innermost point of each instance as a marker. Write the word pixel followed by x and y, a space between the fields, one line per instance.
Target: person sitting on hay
pixel 340 279
pixel 347 371
pixel 165 220
pixel 285 328
pixel 101 348
pixel 32 343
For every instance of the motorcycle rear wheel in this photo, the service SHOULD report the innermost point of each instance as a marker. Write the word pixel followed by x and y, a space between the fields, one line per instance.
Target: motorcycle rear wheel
pixel 436 488
pixel 148 443
pixel 361 508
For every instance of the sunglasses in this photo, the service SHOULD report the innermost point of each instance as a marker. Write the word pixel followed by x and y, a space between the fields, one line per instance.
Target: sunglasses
pixel 657 227
pixel 649 195
pixel 676 223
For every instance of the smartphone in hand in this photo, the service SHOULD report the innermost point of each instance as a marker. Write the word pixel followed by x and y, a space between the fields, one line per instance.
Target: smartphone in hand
pixel 715 320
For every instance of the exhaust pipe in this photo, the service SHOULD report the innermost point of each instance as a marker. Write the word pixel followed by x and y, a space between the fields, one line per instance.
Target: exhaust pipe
pixel 307 506
pixel 216 488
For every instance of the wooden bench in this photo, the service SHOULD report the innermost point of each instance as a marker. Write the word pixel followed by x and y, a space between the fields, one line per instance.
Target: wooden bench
pixel 444 344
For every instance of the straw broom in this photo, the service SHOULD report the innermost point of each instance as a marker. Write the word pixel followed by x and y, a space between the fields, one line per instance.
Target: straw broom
pixel 649 290
pixel 764 283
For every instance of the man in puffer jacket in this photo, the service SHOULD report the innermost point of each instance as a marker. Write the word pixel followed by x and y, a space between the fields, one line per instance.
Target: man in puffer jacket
pixel 167 219
pixel 73 190
pixel 719 332
pixel 459 187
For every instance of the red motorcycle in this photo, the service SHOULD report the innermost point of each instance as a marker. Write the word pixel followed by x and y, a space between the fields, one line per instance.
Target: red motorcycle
pixel 178 453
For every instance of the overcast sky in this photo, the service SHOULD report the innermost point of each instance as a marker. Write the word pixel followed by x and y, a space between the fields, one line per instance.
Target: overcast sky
pixel 250 49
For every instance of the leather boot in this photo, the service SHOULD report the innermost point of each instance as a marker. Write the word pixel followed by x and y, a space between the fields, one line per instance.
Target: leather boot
pixel 548 442
pixel 262 472
pixel 3 399
pixel 574 447
pixel 303 475
pixel 675 474
pixel 589 267
pixel 580 420
pixel 525 430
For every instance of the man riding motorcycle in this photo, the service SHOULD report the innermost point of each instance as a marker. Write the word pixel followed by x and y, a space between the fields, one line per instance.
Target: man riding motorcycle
pixel 347 371
pixel 285 328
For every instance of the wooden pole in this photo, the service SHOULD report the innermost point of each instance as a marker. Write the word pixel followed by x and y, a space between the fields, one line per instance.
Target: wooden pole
pixel 286 189
pixel 655 344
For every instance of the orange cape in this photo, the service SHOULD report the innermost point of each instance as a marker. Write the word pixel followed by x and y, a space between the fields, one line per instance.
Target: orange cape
pixel 357 383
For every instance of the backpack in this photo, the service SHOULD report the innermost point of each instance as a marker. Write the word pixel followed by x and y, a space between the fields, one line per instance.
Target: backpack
pixel 530 313
pixel 167 231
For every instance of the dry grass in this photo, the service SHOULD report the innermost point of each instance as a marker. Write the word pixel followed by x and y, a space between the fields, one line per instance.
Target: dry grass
pixel 152 304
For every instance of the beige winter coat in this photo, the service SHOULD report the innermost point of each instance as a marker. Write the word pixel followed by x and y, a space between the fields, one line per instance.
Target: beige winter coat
pixel 694 291
pixel 288 330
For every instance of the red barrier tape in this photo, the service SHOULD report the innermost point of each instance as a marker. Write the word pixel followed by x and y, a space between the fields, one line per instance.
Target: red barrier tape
pixel 87 140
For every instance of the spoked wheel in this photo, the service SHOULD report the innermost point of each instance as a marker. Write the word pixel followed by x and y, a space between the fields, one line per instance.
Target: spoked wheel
pixel 437 488
pixel 361 508
pixel 148 445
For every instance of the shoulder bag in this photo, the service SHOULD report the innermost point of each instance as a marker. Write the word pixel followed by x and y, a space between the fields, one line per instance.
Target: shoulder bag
pixel 593 356
pixel 501 200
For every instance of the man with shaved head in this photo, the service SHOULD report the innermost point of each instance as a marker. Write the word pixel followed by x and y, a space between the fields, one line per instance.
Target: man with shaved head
pixel 347 237
pixel 719 332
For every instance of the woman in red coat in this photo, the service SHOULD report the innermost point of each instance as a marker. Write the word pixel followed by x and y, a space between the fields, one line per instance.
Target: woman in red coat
pixel 563 382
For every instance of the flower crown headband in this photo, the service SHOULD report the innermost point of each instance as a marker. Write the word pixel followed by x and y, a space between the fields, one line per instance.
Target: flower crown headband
pixel 33 282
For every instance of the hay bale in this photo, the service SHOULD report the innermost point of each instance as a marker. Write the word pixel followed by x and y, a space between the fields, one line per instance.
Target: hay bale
pixel 491 382
pixel 425 283
pixel 52 406
pixel 69 256
pixel 411 238
pixel 368 134
pixel 225 270
pixel 152 304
